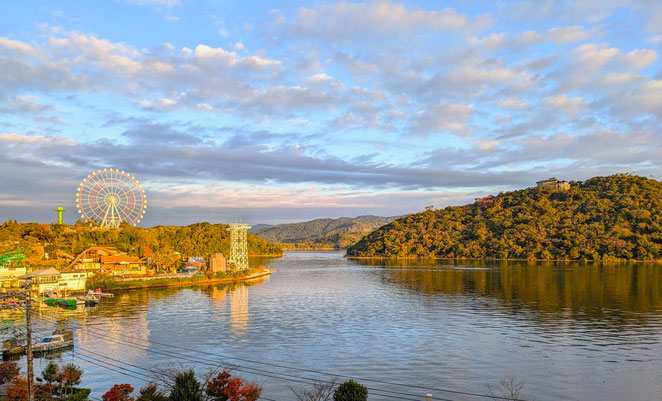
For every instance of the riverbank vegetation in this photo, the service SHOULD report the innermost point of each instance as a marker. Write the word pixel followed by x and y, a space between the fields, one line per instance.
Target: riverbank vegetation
pixel 604 218
pixel 58 383
pixel 200 239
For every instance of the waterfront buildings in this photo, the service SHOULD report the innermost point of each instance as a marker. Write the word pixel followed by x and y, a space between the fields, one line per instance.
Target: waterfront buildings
pixel 53 280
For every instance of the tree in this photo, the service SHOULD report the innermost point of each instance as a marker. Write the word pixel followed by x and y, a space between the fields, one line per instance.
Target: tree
pixel 68 376
pixel 320 391
pixel 151 392
pixel 18 391
pixel 49 374
pixel 8 371
pixel 509 389
pixel 224 387
pixel 186 388
pixel 119 392
pixel 350 391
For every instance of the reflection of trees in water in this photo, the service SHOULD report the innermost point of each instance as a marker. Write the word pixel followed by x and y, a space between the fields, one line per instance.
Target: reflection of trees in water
pixel 545 286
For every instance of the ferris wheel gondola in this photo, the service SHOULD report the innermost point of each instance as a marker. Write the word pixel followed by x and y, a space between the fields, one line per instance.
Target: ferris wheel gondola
pixel 110 197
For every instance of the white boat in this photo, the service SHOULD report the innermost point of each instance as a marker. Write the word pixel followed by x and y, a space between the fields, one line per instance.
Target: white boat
pixel 89 299
pixel 52 343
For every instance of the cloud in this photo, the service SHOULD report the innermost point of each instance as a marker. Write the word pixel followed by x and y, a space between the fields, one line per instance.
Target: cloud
pixel 13 139
pixel 442 117
pixel 347 21
pixel 24 104
pixel 570 106
pixel 514 103
pixel 168 3
pixel 7 44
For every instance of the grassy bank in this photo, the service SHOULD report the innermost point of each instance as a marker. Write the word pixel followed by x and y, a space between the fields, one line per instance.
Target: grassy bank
pixel 107 283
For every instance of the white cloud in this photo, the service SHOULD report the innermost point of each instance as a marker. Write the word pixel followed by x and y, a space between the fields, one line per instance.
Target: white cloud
pixel 15 45
pixel 640 58
pixel 568 34
pixel 442 117
pixel 514 103
pixel 571 106
pixel 343 20
pixel 10 139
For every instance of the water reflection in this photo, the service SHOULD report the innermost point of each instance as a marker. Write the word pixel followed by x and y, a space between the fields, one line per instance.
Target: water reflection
pixel 587 290
pixel 571 331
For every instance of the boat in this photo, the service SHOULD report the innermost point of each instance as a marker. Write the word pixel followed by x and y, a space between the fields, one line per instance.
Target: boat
pixel 89 299
pixel 13 346
pixel 65 302
pixel 50 301
pixel 100 293
pixel 52 343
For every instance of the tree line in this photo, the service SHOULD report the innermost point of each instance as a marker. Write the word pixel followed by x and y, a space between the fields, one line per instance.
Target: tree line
pixel 612 218
pixel 61 383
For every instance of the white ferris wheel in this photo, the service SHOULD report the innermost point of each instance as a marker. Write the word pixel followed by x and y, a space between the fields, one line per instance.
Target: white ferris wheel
pixel 111 196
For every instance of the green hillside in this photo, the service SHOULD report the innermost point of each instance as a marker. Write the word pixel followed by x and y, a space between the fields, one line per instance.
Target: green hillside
pixel 201 239
pixel 604 218
pixel 323 233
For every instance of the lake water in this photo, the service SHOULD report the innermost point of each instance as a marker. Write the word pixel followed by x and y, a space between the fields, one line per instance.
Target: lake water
pixel 582 332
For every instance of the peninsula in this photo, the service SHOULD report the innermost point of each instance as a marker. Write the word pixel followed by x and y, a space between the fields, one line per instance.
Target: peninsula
pixel 612 218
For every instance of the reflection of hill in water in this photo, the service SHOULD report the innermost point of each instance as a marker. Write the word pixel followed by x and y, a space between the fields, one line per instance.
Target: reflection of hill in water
pixel 549 287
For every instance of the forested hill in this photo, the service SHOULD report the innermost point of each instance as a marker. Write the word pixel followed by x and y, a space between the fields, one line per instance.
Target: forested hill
pixel 201 239
pixel 603 218
pixel 323 233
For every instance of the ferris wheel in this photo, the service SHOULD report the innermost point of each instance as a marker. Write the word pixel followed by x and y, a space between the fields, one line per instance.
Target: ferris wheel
pixel 111 196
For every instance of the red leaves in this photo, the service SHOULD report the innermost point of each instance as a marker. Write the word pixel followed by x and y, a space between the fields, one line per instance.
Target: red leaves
pixel 226 388
pixel 119 392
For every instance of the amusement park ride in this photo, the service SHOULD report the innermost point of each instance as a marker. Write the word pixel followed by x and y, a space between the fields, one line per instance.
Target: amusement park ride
pixel 110 197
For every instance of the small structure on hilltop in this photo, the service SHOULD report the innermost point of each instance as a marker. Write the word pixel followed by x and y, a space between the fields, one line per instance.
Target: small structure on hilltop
pixel 553 183
pixel 60 210
pixel 239 245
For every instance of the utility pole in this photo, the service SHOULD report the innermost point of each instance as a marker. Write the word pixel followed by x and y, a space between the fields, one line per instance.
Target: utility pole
pixel 28 323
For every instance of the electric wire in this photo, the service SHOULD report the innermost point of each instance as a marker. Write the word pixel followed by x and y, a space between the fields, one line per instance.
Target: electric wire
pixel 327 373
pixel 143 377
pixel 267 373
pixel 261 372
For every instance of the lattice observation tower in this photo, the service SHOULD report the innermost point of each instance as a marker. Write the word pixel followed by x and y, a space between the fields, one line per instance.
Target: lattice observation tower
pixel 239 245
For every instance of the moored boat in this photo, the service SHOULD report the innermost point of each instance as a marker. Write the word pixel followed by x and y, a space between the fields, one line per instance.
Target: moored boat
pixel 52 343
pixel 89 299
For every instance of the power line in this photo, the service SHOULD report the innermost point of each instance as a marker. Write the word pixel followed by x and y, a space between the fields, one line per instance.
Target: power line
pixel 268 373
pixel 261 372
pixel 136 375
pixel 323 372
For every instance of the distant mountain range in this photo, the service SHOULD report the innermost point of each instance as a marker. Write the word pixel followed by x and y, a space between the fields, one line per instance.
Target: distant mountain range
pixel 321 233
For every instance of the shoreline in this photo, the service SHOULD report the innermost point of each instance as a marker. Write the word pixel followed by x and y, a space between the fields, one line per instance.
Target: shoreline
pixel 142 284
pixel 505 260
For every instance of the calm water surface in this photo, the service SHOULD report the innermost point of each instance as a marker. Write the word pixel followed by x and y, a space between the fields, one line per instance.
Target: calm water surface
pixel 583 332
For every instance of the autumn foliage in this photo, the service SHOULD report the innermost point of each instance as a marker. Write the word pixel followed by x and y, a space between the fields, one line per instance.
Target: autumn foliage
pixel 603 218
pixel 224 387
pixel 119 392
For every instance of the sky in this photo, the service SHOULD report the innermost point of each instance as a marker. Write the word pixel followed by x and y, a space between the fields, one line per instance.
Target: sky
pixel 282 111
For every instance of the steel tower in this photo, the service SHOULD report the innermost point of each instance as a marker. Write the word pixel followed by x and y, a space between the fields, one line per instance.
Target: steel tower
pixel 239 245
pixel 59 211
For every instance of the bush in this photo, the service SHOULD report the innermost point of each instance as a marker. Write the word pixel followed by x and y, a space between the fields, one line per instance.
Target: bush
pixel 350 391
pixel 186 388
pixel 8 371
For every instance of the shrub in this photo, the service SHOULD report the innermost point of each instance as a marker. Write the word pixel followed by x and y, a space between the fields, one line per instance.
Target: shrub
pixel 350 391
